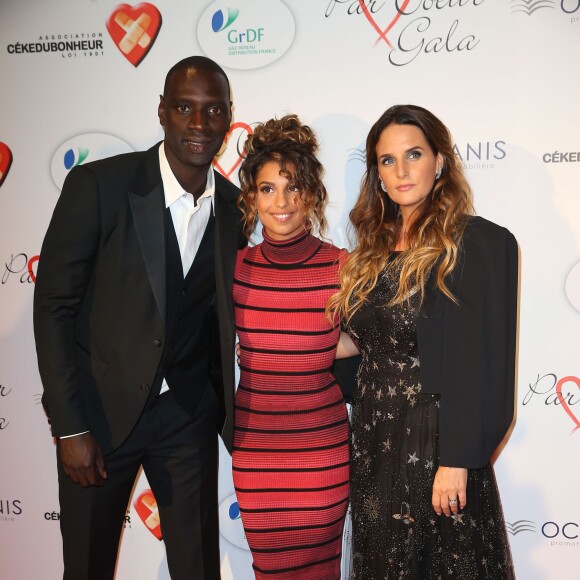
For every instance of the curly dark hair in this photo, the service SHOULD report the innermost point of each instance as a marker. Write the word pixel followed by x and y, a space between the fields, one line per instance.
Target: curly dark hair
pixel 293 146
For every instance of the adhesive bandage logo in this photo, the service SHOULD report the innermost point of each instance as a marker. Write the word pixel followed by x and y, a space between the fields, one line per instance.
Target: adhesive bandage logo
pixel 249 34
pixel 82 149
pixel 5 161
pixel 134 29
pixel 231 527
pixel 146 507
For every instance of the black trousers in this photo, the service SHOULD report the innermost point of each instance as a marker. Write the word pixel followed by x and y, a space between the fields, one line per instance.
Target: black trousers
pixel 179 455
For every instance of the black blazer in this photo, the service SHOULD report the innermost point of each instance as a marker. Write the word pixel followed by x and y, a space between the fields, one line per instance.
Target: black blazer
pixel 100 295
pixel 467 350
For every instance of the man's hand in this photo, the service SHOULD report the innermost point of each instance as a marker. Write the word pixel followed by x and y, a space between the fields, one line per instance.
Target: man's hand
pixel 82 460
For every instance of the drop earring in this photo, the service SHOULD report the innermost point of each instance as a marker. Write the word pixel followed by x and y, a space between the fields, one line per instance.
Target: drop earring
pixel 383 185
pixel 438 173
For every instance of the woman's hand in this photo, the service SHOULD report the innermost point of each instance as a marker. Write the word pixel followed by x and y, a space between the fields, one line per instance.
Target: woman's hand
pixel 346 347
pixel 449 490
pixel 238 353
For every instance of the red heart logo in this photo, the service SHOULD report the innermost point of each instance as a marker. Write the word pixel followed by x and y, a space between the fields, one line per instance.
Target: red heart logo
pixel 565 405
pixel 5 161
pixel 382 33
pixel 134 29
pixel 31 262
pixel 146 508
pixel 232 156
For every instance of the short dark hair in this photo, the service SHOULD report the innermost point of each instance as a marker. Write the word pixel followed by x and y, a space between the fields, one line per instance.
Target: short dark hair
pixel 198 62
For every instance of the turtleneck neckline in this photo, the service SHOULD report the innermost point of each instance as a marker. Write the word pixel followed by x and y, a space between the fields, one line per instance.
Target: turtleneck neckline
pixel 291 251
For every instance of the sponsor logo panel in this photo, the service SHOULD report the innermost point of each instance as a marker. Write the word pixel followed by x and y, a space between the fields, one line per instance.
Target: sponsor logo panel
pixel 411 29
pixel 481 154
pixel 249 34
pixel 69 45
pixel 561 157
pixel 82 149
pixel 559 534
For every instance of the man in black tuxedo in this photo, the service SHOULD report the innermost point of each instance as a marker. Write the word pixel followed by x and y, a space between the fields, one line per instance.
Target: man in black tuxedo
pixel 133 314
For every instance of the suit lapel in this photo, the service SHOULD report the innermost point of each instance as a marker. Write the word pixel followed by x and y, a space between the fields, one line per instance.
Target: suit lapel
pixel 226 236
pixel 148 206
pixel 226 239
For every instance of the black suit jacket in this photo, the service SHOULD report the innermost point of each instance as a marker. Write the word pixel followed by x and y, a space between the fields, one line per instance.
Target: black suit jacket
pixel 467 350
pixel 100 296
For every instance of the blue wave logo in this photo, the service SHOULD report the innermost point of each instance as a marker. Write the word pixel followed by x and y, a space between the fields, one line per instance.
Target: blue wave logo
pixel 234 511
pixel 231 527
pixel 219 22
pixel 82 149
pixel 72 159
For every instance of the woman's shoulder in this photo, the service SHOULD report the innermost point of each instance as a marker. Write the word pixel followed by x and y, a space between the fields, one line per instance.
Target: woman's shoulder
pixel 334 252
pixel 481 231
pixel 248 253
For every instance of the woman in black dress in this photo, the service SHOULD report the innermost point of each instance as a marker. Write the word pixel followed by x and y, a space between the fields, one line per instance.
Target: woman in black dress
pixel 429 298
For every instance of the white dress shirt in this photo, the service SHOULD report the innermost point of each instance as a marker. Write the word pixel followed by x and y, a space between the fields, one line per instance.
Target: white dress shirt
pixel 189 218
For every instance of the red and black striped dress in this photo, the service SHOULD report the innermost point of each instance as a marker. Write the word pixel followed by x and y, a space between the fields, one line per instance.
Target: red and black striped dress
pixel 291 448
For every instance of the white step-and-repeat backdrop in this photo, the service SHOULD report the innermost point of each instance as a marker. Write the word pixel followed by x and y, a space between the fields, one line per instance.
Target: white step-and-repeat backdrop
pixel 502 74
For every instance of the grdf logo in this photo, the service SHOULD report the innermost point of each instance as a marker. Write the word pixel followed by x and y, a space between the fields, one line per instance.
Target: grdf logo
pixel 219 23
pixel 250 35
pixel 72 159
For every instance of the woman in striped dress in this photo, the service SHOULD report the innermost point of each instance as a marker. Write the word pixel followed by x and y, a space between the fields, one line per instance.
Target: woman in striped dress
pixel 291 451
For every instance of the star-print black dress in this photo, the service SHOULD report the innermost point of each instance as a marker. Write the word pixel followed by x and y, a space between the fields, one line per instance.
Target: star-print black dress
pixel 396 533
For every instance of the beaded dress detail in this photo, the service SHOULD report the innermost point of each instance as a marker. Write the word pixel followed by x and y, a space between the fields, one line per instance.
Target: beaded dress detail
pixel 396 532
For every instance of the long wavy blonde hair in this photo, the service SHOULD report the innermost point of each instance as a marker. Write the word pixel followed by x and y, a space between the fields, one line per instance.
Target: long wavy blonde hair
pixel 293 146
pixel 434 235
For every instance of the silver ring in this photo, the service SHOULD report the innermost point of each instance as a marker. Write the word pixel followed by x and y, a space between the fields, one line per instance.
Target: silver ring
pixel 452 501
